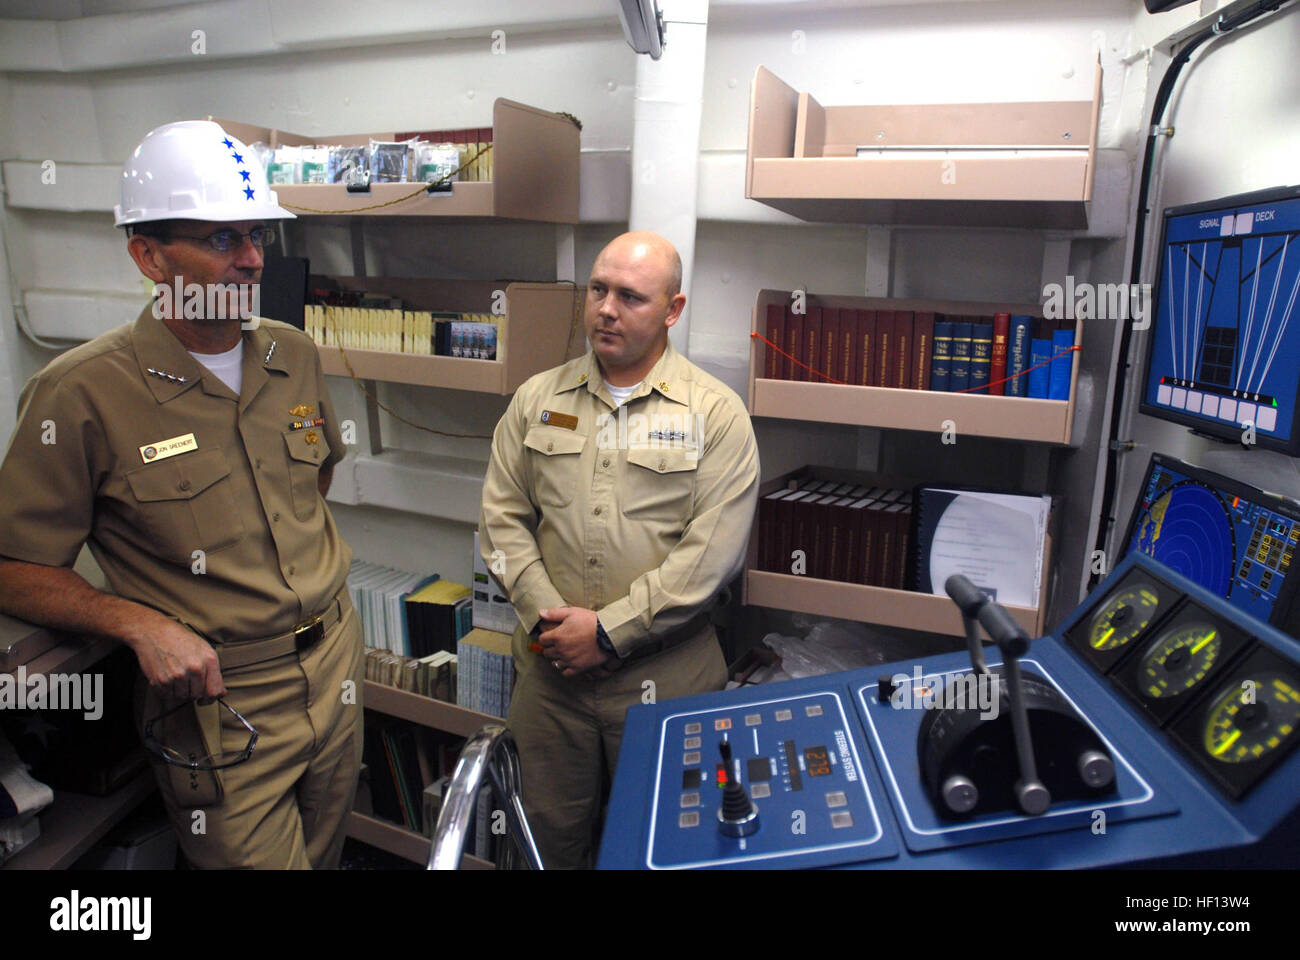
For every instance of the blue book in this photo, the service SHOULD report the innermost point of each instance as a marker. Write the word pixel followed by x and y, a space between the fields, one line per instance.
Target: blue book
pixel 1058 383
pixel 941 356
pixel 959 368
pixel 1022 331
pixel 1040 351
pixel 981 353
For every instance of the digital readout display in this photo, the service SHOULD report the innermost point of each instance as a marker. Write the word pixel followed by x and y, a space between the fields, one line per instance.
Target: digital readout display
pixel 818 761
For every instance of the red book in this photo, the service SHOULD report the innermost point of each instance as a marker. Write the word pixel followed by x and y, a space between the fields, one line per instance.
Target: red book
pixel 848 345
pixel 998 359
pixel 793 345
pixel 902 364
pixel 864 354
pixel 922 348
pixel 831 345
pixel 884 364
pixel 813 346
pixel 883 554
pixel 775 335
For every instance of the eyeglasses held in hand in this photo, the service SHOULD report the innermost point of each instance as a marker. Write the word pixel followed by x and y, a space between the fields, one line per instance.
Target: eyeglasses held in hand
pixel 192 761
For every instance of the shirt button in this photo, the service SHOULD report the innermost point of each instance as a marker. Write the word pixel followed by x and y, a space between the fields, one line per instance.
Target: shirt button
pixel 662 465
pixel 550 447
pixel 292 569
pixel 259 463
pixel 592 561
pixel 605 462
pixel 596 511
pixel 185 484
pixel 275 516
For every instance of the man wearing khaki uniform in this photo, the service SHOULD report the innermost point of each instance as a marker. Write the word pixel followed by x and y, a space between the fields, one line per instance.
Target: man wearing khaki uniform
pixel 617 505
pixel 192 453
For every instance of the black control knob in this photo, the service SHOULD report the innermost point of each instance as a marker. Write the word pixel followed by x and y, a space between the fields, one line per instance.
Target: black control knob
pixel 737 817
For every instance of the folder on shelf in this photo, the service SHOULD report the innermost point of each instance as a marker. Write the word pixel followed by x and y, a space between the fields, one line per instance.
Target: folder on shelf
pixel 994 539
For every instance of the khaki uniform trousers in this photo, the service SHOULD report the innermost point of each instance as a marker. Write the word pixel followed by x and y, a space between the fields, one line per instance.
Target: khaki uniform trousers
pixel 287 806
pixel 568 730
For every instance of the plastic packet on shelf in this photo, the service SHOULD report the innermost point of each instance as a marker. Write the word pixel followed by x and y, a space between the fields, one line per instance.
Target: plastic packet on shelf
pixel 315 164
pixel 390 160
pixel 285 166
pixel 436 162
pixel 829 648
pixel 344 159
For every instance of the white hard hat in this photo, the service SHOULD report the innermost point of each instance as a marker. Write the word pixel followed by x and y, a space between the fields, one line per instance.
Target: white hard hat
pixel 194 170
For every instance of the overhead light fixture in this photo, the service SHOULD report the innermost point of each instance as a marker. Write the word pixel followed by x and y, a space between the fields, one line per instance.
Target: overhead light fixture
pixel 643 26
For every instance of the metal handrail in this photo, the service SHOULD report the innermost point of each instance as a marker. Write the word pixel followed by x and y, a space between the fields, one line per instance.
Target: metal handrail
pixel 491 751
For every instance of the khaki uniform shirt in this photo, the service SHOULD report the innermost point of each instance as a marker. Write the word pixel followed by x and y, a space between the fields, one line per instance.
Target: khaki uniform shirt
pixel 87 462
pixel 640 512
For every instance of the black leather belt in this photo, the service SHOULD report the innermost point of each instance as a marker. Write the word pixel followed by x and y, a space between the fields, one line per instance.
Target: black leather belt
pixel 302 637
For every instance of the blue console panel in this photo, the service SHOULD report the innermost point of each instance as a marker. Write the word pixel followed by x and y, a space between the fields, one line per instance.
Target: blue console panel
pixel 833 767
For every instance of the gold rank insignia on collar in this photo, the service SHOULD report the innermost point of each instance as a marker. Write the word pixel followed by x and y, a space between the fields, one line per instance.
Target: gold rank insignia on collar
pixel 302 410
pixel 583 378
pixel 164 375
pixel 269 352
pixel 662 386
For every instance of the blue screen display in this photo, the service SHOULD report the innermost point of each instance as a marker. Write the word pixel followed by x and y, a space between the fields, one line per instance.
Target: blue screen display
pixel 1224 350
pixel 1224 541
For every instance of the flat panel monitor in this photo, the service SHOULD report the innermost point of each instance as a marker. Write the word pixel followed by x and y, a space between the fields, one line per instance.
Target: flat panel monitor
pixel 1235 540
pixel 1224 348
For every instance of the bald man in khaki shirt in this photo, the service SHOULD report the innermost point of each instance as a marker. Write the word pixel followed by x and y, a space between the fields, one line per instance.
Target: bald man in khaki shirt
pixel 613 527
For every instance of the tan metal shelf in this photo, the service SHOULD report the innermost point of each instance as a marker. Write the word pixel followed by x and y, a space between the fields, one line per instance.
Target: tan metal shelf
pixel 1013 418
pixel 539 330
pixel 883 606
pixel 425 711
pixel 535 170
pixel 401 842
pixel 76 821
pixel 992 164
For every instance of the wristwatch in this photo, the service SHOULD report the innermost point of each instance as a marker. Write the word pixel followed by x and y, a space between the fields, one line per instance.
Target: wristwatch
pixel 603 641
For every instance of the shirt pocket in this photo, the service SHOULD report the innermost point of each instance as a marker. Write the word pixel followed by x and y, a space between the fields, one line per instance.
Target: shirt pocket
pixel 556 464
pixel 186 503
pixel 659 484
pixel 305 460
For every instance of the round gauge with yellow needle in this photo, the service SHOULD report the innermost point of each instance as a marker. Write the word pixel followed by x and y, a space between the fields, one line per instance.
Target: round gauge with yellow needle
pixel 1253 718
pixel 1179 659
pixel 1126 614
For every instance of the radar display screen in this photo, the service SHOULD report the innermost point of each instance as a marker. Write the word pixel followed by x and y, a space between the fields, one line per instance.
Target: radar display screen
pixel 1223 353
pixel 1234 540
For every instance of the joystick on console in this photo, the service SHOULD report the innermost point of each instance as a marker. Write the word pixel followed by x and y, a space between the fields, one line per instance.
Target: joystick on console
pixel 737 817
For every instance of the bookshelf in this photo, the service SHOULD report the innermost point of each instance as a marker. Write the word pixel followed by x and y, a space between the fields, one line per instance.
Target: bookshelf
pixel 535 169
pixel 437 714
pixel 881 606
pixel 537 315
pixel 1013 418
pixel 401 842
pixel 968 164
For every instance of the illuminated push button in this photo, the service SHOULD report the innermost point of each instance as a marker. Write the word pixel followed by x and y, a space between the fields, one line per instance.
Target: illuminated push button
pixel 841 819
pixel 753 719
pixel 757 791
pixel 783 715
pixel 691 819
pixel 690 799
pixel 723 724
pixel 692 728
pixel 836 798
pixel 689 759
pixel 813 711
pixel 691 743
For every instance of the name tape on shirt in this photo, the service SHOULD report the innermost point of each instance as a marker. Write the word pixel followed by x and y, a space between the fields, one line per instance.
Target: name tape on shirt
pixel 566 420
pixel 162 449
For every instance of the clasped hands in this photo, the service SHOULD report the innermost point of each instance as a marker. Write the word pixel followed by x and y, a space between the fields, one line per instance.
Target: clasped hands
pixel 568 641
